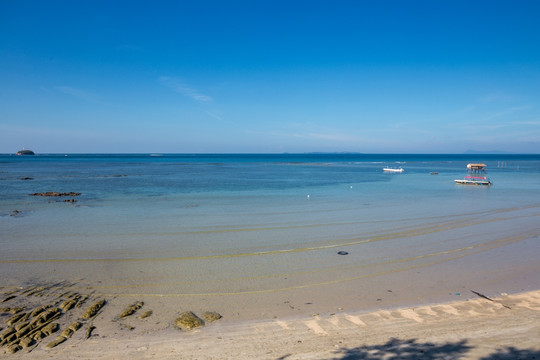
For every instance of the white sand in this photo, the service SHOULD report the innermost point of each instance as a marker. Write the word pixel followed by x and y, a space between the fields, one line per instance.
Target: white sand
pixel 474 329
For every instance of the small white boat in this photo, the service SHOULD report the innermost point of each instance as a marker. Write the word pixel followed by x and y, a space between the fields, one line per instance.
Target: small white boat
pixel 393 170
pixel 473 180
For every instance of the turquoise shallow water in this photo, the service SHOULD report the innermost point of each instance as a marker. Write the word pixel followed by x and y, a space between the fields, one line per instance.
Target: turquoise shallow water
pixel 204 225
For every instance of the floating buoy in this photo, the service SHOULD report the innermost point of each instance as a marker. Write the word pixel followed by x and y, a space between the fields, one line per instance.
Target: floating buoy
pixel 342 253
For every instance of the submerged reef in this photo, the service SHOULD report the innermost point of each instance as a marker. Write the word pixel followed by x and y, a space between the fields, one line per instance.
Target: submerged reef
pixel 54 193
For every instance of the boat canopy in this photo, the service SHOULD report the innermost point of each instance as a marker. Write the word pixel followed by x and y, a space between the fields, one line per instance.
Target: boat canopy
pixel 476 166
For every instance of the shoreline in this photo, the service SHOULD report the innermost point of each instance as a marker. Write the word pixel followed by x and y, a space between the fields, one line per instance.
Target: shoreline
pixel 476 328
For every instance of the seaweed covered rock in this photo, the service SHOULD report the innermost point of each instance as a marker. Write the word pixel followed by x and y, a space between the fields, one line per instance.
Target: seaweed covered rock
pixel 39 310
pixel 130 310
pixel 211 316
pixel 8 310
pixel 146 314
pixel 11 297
pixel 7 332
pixel 26 342
pixel 93 309
pixel 47 316
pixel 76 326
pixel 50 328
pixel 89 331
pixel 68 304
pixel 188 320
pixel 13 348
pixel 60 339
pixel 16 318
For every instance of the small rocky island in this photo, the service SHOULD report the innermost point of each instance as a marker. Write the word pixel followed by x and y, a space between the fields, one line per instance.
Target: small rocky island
pixel 25 152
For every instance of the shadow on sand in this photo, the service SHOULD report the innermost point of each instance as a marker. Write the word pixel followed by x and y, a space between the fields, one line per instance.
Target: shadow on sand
pixel 511 353
pixel 413 350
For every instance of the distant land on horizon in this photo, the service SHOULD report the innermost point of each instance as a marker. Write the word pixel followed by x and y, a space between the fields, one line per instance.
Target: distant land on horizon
pixel 489 152
pixel 468 152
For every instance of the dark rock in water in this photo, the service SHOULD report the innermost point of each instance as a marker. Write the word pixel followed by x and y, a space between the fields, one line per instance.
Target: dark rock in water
pixel 54 193
pixel 25 152
pixel 70 201
pixel 343 253
pixel 27 178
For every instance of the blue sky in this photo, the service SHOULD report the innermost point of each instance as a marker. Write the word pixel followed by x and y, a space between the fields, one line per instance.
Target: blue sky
pixel 269 76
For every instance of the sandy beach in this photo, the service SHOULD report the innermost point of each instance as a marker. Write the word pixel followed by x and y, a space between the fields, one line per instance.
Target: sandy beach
pixel 482 327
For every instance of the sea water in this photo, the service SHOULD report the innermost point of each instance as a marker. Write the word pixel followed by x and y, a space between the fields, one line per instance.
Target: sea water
pixel 221 224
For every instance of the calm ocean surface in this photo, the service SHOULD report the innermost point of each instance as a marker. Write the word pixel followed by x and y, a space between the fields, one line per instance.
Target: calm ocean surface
pixel 258 223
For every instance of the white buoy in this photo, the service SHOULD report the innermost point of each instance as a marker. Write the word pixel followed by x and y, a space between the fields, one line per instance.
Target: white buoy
pixel 308 196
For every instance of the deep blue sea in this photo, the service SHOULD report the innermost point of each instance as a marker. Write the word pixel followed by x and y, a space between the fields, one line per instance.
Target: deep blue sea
pixel 211 224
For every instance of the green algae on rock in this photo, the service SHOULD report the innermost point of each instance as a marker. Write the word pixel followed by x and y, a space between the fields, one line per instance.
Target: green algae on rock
pixel 50 328
pixel 16 318
pixel 188 320
pixel 130 310
pixel 60 339
pixel 9 310
pixel 76 326
pixel 93 309
pixel 146 314
pixel 29 325
pixel 13 348
pixel 11 297
pixel 26 342
pixel 89 331
pixel 39 310
pixel 211 316
pixel 67 333
pixel 68 304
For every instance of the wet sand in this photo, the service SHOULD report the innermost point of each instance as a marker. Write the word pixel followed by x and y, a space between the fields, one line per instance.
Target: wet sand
pixel 425 287
pixel 481 327
pixel 415 307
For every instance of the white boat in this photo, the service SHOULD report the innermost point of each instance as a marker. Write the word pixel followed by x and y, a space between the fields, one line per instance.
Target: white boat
pixel 393 170
pixel 473 180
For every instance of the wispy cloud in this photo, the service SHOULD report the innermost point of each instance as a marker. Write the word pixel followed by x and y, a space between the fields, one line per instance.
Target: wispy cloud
pixel 185 90
pixel 215 114
pixel 497 97
pixel 507 112
pixel 78 93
